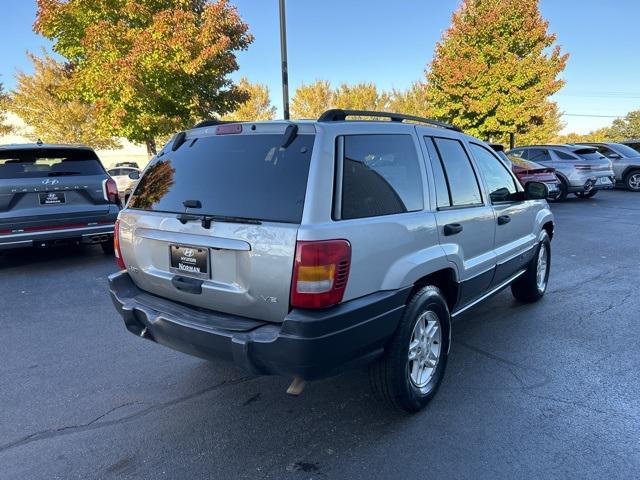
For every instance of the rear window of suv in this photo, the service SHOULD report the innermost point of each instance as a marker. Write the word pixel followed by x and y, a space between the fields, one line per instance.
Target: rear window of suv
pixel 246 176
pixel 53 162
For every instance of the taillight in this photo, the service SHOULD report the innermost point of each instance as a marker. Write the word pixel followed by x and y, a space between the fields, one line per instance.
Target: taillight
pixel 110 190
pixel 320 273
pixel 583 167
pixel 116 246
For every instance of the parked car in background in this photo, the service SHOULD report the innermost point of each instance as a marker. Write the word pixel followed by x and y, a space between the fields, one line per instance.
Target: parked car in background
pixel 124 177
pixel 306 248
pixel 580 168
pixel 51 194
pixel 527 171
pixel 126 195
pixel 635 144
pixel 626 163
pixel 128 164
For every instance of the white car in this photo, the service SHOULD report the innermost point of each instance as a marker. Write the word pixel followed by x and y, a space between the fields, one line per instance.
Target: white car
pixel 124 177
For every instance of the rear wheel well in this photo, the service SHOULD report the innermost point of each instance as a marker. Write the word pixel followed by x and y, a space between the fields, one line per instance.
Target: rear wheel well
pixel 445 280
pixel 630 170
pixel 549 228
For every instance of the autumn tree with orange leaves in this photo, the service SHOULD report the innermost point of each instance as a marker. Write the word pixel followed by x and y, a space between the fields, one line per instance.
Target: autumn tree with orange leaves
pixel 149 67
pixel 4 102
pixel 495 69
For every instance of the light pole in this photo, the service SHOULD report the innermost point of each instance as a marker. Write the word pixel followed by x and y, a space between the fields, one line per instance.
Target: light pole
pixel 283 55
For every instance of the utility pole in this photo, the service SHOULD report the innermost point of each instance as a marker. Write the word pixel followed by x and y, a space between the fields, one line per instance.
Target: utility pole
pixel 283 55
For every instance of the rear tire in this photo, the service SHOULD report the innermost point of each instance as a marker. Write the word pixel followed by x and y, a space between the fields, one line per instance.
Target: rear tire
pixel 632 181
pixel 408 375
pixel 107 247
pixel 564 191
pixel 585 195
pixel 532 285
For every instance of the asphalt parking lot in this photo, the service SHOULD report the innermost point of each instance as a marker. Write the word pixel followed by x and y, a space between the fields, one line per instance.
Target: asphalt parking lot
pixel 549 390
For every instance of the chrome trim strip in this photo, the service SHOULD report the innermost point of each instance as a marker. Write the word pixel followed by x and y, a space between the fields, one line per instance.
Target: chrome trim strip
pixel 178 238
pixel 488 294
pixel 26 242
pixel 108 228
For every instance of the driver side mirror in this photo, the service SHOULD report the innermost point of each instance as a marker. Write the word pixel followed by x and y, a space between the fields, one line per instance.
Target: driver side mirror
pixel 536 191
pixel 134 175
pixel 614 156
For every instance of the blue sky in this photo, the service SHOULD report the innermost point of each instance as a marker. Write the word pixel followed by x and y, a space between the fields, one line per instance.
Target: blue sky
pixel 390 43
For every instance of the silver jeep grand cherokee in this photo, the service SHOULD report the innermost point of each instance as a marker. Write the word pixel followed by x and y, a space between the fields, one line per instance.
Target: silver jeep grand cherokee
pixel 304 248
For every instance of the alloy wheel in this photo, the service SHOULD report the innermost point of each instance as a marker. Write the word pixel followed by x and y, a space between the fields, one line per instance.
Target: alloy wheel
pixel 425 347
pixel 543 265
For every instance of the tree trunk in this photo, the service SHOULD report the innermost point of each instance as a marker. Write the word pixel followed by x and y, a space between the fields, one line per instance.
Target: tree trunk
pixel 151 147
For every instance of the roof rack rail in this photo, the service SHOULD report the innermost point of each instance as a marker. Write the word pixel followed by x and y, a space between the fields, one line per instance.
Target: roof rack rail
pixel 337 115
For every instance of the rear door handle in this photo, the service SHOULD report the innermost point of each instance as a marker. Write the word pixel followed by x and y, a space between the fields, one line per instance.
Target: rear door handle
pixel 452 229
pixel 504 219
pixel 189 285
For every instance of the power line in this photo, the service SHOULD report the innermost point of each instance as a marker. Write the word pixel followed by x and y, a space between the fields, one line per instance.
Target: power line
pixel 588 115
pixel 594 93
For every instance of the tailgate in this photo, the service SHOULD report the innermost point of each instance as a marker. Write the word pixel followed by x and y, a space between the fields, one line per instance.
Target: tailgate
pixel 50 186
pixel 32 202
pixel 213 221
pixel 245 269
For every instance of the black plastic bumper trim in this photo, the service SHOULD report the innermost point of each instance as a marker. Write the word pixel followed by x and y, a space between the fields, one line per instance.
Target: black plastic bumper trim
pixel 309 344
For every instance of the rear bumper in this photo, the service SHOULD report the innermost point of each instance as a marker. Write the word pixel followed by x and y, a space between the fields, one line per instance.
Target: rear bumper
pixel 89 234
pixel 591 182
pixel 308 344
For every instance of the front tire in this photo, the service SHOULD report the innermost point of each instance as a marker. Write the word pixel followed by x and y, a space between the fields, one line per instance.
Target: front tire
pixel 408 375
pixel 632 181
pixel 532 285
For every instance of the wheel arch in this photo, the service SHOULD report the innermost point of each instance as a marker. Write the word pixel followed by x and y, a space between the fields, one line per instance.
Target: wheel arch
pixel 446 280
pixel 628 170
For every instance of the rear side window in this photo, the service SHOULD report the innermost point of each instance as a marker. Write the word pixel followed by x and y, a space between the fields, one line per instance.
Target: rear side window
pixel 381 176
pixel 48 162
pixel 464 189
pixel 539 155
pixel 247 176
pixel 442 190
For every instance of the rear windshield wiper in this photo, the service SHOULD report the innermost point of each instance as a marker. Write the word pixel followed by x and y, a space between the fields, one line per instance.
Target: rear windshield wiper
pixel 207 219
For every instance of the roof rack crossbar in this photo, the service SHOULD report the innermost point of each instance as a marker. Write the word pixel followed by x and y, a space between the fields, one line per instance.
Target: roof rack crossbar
pixel 337 115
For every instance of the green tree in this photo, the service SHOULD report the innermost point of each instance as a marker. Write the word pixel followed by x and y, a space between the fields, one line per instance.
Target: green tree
pixel 544 131
pixel 412 101
pixel 361 96
pixel 38 99
pixel 627 128
pixel 495 68
pixel 149 67
pixel 311 100
pixel 4 104
pixel 257 107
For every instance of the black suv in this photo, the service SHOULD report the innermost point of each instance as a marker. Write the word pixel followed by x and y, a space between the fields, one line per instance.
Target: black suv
pixel 55 193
